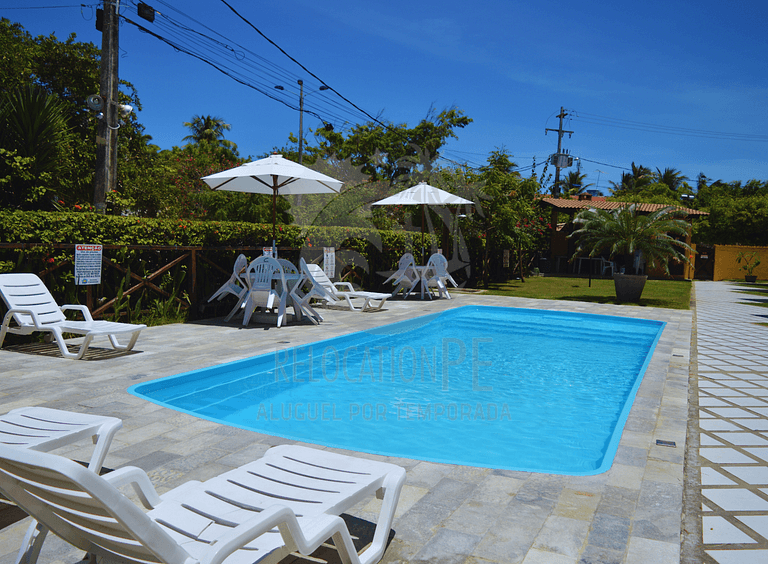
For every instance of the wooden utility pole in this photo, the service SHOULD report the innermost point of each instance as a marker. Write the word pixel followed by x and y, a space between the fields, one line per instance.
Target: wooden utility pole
pixel 106 135
pixel 557 161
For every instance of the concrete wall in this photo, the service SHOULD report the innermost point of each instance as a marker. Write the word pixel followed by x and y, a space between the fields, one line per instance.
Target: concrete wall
pixel 726 267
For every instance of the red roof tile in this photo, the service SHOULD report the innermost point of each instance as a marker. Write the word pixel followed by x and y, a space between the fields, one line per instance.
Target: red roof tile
pixel 570 204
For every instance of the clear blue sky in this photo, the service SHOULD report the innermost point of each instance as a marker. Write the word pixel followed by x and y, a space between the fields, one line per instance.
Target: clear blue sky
pixel 640 80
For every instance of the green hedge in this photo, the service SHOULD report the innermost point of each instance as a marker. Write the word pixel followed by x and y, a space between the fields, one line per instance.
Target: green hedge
pixel 365 251
pixel 69 227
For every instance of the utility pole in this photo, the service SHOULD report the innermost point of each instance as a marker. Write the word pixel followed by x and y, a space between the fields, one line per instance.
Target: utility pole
pixel 301 118
pixel 559 160
pixel 106 135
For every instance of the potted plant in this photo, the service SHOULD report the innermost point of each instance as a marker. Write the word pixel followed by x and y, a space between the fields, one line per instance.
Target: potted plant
pixel 751 262
pixel 625 232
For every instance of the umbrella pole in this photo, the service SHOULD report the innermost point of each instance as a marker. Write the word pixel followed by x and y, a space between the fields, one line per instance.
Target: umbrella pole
pixel 274 218
pixel 422 233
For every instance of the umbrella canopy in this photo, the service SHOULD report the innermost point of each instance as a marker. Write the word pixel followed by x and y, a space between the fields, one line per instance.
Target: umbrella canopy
pixel 423 194
pixel 273 175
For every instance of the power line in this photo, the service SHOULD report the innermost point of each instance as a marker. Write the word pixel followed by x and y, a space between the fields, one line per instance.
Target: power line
pixel 655 128
pixel 47 7
pixel 604 164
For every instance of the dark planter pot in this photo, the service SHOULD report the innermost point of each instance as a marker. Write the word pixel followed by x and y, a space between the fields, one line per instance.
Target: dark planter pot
pixel 751 278
pixel 629 287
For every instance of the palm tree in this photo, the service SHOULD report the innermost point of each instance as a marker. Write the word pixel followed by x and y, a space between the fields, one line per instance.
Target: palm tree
pixel 208 129
pixel 625 232
pixel 35 134
pixel 573 184
pixel 673 178
pixel 633 182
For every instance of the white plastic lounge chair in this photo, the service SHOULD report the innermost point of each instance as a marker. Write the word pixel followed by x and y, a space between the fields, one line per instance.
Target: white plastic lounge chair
pixel 43 429
pixel 235 285
pixel 32 307
pixel 406 277
pixel 258 277
pixel 228 519
pixel 308 289
pixel 435 275
pixel 345 291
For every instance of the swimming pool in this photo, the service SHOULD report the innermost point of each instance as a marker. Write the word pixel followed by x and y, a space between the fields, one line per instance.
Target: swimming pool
pixel 495 387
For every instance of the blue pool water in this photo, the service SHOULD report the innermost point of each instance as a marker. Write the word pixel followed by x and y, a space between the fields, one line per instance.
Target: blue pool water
pixel 495 387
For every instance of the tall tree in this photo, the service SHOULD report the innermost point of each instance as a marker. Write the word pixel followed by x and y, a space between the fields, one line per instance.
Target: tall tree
pixel 389 152
pixel 632 182
pixel 673 178
pixel 209 129
pixel 574 183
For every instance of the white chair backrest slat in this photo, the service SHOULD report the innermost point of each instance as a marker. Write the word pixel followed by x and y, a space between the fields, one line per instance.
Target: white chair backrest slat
pixel 27 291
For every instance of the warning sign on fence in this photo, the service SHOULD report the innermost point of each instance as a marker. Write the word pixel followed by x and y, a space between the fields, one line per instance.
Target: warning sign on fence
pixel 87 264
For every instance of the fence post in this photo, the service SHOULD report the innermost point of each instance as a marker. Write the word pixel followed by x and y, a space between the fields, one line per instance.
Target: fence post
pixel 193 306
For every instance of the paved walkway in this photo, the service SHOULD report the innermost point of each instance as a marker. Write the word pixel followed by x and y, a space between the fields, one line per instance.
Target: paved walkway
pixel 449 514
pixel 732 353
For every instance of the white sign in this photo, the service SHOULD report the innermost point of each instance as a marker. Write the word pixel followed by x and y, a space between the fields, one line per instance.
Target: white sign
pixel 329 261
pixel 87 264
pixel 267 252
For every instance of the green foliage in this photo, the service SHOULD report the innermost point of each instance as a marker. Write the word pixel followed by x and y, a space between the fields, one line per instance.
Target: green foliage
pixel 751 261
pixel 395 152
pixel 34 127
pixel 66 71
pixel 573 184
pixel 653 193
pixel 734 220
pixel 209 129
pixel 624 231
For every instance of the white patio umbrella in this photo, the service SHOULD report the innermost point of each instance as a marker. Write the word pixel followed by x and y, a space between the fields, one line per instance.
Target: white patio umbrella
pixel 425 195
pixel 273 175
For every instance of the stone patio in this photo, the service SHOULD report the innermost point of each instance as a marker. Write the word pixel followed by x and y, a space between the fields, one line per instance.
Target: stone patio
pixel 447 513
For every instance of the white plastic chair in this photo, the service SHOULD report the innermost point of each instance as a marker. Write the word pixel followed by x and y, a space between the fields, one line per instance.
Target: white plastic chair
pixel 405 277
pixel 605 266
pixel 43 429
pixel 235 285
pixel 435 275
pixel 258 276
pixel 345 291
pixel 32 307
pixel 229 519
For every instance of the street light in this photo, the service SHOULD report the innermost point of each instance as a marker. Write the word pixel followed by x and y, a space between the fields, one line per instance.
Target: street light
pixel 301 112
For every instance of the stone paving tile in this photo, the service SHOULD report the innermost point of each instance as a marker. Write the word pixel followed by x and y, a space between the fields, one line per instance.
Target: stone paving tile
pixel 448 513
pixel 731 390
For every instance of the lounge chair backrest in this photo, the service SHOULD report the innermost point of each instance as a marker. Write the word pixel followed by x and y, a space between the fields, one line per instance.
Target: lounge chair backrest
pixel 84 509
pixel 21 290
pixel 321 278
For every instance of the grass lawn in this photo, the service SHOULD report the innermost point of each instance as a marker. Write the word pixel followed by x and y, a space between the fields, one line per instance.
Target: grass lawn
pixel 671 294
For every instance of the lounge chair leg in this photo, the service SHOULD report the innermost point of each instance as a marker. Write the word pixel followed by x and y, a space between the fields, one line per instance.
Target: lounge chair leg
pixel 32 543
pixel 118 347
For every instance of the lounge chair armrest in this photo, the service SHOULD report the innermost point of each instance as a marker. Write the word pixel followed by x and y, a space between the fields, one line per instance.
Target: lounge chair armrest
pixel 306 537
pixel 344 286
pixel 81 308
pixel 137 478
pixel 23 311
